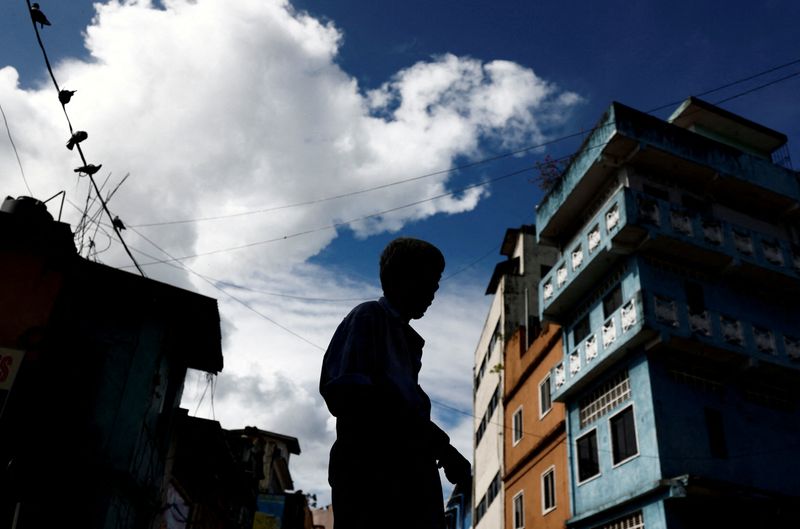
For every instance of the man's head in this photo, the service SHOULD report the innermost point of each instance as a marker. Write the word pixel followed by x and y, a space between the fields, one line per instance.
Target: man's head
pixel 410 272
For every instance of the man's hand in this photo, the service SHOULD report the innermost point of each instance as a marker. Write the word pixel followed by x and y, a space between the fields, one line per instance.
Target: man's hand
pixel 456 467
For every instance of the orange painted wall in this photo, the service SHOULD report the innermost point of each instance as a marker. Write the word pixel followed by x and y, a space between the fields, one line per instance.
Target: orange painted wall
pixel 543 443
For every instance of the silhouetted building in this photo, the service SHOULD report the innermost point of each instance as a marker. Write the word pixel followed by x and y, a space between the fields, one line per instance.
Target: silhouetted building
pixel 264 458
pixel 93 365
pixel 676 289
pixel 206 483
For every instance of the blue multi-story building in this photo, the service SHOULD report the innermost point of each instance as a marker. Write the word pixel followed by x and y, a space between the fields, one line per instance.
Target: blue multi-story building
pixel 677 289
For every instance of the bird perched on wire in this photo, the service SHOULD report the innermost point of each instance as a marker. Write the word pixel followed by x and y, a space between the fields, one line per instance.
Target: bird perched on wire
pixel 77 137
pixel 88 169
pixel 38 16
pixel 117 222
pixel 65 95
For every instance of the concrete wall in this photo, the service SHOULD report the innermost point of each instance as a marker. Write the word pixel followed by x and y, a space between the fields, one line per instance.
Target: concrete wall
pixel 616 483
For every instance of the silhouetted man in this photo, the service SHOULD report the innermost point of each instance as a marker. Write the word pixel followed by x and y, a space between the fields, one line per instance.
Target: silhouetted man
pixel 383 465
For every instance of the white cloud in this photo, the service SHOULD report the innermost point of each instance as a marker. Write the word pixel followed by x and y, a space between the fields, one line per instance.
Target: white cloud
pixel 217 108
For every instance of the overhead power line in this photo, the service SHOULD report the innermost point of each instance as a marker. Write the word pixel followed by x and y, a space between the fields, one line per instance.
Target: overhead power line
pixel 482 161
pixel 13 146
pixel 340 224
pixel 85 167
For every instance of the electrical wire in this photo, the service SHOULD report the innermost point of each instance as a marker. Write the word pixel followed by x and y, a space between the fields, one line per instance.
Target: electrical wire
pixel 482 161
pixel 231 296
pixel 339 224
pixel 78 145
pixel 13 146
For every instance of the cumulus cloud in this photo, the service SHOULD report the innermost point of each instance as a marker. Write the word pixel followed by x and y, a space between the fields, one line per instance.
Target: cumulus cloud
pixel 221 108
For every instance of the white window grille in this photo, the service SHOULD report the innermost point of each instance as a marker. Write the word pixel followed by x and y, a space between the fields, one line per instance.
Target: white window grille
pixel 628 315
pixel 700 323
pixel 732 330
pixel 792 346
pixel 609 333
pixel 612 217
pixel 561 377
pixel 577 258
pixel 681 222
pixel 648 210
pixel 772 252
pixel 605 398
pixel 665 310
pixel 547 290
pixel 765 341
pixel 712 231
pixel 632 521
pixel 743 242
pixel 591 348
pixel 594 238
pixel 561 276
pixel 574 362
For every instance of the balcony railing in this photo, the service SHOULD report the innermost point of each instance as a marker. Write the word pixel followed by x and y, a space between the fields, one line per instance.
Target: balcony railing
pixel 726 329
pixel 628 208
pixel 642 317
pixel 616 332
pixel 665 218
pixel 583 250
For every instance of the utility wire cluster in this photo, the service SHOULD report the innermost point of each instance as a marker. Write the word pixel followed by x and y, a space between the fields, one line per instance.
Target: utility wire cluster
pixel 76 138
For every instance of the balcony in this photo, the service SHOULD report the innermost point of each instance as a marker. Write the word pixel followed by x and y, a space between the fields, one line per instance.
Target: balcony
pixel 624 135
pixel 609 234
pixel 623 329
pixel 634 220
pixel 722 331
pixel 735 332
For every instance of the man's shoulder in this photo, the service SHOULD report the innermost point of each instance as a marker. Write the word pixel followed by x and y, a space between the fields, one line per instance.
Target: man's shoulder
pixel 366 309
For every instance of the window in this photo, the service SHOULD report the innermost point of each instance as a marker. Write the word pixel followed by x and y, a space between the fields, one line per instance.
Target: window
pixel 623 436
pixel 517 434
pixel 493 403
pixel 493 490
pixel 716 434
pixel 632 521
pixel 519 510
pixel 694 297
pixel 532 331
pixel 494 339
pixel 480 510
pixel 545 403
pixel 657 192
pixel 603 399
pixel 581 330
pixel 588 462
pixel 549 490
pixel 612 301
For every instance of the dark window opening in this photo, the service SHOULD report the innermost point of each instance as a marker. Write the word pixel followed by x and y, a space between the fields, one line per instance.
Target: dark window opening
pixel 612 301
pixel 623 436
pixel 657 192
pixel 588 462
pixel 581 330
pixel 716 433
pixel 694 297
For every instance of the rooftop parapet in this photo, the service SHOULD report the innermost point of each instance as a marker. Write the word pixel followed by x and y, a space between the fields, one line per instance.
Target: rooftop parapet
pixel 743 180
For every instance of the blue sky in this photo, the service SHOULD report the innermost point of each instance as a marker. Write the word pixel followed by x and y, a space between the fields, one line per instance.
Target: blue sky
pixel 220 110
